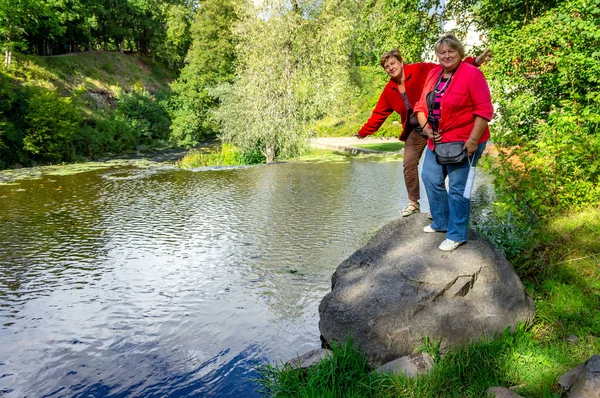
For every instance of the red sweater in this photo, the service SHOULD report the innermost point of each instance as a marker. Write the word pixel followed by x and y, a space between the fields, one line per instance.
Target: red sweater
pixel 391 99
pixel 467 96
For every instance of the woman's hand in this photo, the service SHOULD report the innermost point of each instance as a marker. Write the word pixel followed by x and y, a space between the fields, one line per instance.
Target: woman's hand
pixel 471 146
pixel 434 136
pixel 483 57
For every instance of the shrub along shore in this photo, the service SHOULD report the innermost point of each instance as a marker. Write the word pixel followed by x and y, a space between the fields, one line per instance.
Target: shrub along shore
pixel 81 106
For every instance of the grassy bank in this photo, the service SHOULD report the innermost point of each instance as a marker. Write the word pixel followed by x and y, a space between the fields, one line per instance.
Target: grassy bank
pixel 560 269
pixel 81 106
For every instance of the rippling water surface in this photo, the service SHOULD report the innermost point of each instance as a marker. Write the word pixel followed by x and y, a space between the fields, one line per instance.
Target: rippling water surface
pixel 160 282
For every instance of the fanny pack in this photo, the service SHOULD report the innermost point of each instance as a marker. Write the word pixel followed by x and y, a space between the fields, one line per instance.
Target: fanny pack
pixel 450 153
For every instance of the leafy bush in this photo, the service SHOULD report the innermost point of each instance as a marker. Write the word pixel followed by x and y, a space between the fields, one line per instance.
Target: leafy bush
pixel 52 122
pixel 144 115
pixel 545 80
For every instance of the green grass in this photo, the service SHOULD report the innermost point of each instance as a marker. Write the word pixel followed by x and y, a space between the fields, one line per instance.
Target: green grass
pixel 316 155
pixel 99 71
pixel 344 374
pixel 384 147
pixel 560 268
pixel 225 155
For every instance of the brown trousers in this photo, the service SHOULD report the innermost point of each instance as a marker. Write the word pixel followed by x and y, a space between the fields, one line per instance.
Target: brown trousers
pixel 413 149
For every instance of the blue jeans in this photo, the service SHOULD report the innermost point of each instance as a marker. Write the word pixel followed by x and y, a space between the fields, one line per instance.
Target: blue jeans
pixel 449 209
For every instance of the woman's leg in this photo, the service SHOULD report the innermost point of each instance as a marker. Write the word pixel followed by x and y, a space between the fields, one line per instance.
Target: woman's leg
pixel 413 149
pixel 460 207
pixel 433 179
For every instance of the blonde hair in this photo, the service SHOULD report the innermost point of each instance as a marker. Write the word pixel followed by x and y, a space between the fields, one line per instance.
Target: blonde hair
pixel 452 42
pixel 394 53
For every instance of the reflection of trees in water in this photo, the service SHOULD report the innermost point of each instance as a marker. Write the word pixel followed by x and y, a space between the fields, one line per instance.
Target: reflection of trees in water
pixel 48 228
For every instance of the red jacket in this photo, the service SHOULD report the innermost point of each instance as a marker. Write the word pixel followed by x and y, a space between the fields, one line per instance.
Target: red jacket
pixel 467 96
pixel 391 99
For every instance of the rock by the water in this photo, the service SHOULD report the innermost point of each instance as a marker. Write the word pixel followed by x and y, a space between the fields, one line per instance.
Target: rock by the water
pixel 400 287
pixel 583 381
pixel 410 365
pixel 309 358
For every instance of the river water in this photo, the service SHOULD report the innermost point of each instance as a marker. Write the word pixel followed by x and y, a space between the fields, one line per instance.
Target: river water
pixel 158 282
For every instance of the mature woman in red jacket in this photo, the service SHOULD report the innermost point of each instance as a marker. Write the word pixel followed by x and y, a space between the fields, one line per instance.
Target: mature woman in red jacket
pixel 399 95
pixel 455 106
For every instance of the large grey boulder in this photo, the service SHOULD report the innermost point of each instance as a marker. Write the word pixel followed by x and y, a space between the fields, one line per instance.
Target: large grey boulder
pixel 400 287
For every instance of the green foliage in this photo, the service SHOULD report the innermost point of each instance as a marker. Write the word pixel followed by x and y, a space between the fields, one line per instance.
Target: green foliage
pixel 52 122
pixel 173 44
pixel 509 232
pixel 367 82
pixel 408 25
pixel 144 114
pixel 544 78
pixel 498 15
pixel 227 155
pixel 280 87
pixel 209 62
pixel 75 88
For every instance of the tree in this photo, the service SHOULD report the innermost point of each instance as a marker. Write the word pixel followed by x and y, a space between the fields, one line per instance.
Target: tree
pixel 173 41
pixel 408 25
pixel 293 67
pixel 209 62
pixel 15 17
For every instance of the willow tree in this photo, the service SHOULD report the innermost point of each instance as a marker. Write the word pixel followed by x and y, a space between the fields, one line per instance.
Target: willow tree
pixel 293 67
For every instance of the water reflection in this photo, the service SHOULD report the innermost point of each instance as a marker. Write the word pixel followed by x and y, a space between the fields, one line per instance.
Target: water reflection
pixel 161 282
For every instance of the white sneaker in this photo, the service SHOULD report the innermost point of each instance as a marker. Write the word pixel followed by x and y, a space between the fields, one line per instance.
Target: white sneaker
pixel 448 245
pixel 428 229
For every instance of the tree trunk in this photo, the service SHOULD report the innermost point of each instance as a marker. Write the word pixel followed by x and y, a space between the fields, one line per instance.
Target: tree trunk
pixel 7 52
pixel 7 57
pixel 269 154
pixel 122 46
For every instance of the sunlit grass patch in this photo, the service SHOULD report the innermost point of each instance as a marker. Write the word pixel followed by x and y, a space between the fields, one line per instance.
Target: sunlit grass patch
pixel 316 155
pixel 384 146
pixel 226 155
